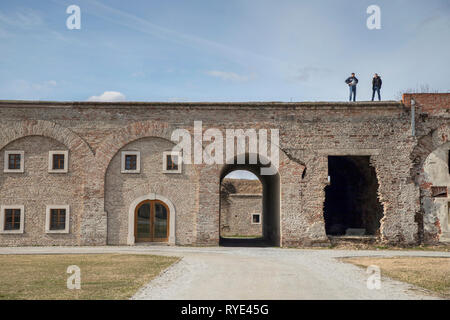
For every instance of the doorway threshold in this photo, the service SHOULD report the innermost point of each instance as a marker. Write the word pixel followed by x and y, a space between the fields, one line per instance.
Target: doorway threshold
pixel 148 244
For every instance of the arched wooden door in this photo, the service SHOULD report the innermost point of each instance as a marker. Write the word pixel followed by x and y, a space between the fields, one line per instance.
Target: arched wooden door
pixel 151 221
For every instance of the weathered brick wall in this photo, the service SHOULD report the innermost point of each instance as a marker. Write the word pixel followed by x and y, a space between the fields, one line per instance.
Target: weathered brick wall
pixel 94 133
pixel 430 163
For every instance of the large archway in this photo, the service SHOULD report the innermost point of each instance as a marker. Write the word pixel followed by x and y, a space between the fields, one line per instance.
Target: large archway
pixel 270 202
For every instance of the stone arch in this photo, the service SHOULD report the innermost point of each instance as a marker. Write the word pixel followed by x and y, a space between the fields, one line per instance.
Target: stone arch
pixel 80 152
pixel 136 130
pixel 151 196
pixel 47 129
pixel 113 182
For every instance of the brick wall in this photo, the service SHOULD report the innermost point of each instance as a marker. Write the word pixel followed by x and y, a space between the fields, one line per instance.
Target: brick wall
pixel 94 133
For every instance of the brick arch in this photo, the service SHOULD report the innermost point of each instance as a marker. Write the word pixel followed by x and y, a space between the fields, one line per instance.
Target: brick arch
pixel 117 140
pixel 79 149
pixel 110 148
pixel 424 147
pixel 47 129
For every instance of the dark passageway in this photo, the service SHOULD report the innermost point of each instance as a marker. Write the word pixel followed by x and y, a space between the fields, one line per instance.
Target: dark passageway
pixel 351 200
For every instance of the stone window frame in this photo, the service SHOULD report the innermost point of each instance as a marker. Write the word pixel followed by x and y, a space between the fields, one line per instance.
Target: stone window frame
pixel 6 161
pixel 47 218
pixel 138 161
pixel 253 214
pixel 180 161
pixel 66 161
pixel 2 219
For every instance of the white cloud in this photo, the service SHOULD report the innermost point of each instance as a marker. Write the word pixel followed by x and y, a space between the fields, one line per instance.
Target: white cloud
pixel 229 76
pixel 108 96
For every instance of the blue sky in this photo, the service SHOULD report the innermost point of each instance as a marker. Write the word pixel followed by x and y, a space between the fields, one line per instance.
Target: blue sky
pixel 208 50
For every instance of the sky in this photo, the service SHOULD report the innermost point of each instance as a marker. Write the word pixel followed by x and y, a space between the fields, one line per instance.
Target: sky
pixel 209 50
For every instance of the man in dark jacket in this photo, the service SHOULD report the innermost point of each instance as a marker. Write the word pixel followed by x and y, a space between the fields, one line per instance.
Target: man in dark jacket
pixel 352 81
pixel 376 86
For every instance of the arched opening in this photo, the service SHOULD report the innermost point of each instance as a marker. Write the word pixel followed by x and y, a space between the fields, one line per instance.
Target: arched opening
pixel 151 221
pixel 269 204
pixel 352 207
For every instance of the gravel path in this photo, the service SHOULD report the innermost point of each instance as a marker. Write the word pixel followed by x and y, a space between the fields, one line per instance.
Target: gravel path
pixel 258 273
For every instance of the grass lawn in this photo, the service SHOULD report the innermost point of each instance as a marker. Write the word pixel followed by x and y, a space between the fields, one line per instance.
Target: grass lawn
pixel 103 276
pixel 426 272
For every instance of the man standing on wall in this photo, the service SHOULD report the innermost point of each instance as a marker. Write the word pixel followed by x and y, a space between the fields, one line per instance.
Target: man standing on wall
pixel 352 81
pixel 376 86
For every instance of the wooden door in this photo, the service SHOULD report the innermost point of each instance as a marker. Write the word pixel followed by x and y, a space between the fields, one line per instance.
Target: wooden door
pixel 151 221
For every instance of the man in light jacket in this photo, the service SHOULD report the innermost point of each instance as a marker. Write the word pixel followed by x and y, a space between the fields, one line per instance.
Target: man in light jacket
pixel 352 81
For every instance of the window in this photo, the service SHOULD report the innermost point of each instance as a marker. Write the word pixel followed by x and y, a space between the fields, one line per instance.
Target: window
pixel 58 161
pixel 14 162
pixel 131 162
pixel 256 218
pixel 57 219
pixel 12 219
pixel 172 162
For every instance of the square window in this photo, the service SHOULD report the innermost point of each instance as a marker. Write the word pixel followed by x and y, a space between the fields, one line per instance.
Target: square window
pixel 256 218
pixel 11 219
pixel 131 162
pixel 57 219
pixel 14 162
pixel 172 162
pixel 58 161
